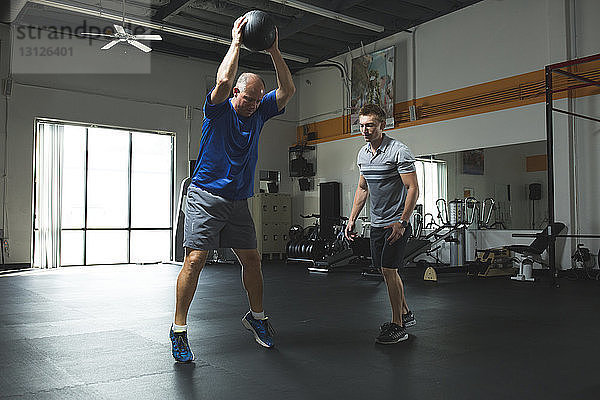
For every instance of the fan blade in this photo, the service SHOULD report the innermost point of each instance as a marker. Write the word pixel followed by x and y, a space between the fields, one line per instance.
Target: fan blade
pixel 147 37
pixel 111 44
pixel 119 29
pixel 95 34
pixel 140 46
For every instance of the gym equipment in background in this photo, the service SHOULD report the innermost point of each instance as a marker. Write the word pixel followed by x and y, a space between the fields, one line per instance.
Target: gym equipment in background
pixel 525 271
pixel 532 253
pixel 582 257
pixel 492 262
pixel 451 227
pixel 307 245
pixel 259 32
pixel 484 211
pixel 456 216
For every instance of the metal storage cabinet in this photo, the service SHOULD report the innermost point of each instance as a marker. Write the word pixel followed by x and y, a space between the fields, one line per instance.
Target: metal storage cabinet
pixel 272 214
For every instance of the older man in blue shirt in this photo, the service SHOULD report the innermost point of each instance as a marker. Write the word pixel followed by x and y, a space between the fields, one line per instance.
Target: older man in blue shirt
pixel 217 212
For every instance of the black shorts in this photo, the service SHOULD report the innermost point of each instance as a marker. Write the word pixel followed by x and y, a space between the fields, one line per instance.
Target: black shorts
pixel 384 254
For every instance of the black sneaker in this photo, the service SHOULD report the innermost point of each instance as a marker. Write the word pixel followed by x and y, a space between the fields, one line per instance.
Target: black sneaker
pixel 384 327
pixel 408 319
pixel 393 334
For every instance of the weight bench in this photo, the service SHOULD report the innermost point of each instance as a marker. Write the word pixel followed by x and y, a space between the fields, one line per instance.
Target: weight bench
pixel 533 252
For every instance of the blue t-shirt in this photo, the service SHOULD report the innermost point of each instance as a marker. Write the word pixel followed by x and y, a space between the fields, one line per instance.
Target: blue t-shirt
pixel 229 148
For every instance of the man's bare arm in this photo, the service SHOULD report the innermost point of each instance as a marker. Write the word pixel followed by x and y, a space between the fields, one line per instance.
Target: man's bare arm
pixel 285 84
pixel 229 66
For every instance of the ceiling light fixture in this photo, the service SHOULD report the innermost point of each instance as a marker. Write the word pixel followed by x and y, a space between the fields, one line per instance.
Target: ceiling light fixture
pixel 153 25
pixel 331 14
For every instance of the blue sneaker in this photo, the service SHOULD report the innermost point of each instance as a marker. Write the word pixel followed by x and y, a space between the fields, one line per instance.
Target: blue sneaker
pixel 261 328
pixel 180 347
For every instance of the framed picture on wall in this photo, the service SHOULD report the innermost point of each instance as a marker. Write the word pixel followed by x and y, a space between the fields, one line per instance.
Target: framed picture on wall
pixel 373 83
pixel 472 162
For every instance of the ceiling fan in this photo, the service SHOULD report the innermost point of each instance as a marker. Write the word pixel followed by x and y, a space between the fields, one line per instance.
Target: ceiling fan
pixel 123 35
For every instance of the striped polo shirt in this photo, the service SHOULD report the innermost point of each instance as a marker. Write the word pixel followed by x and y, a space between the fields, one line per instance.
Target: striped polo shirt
pixel 382 170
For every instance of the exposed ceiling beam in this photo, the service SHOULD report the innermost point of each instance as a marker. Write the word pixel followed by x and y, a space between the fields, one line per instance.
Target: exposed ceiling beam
pixel 331 14
pixel 433 5
pixel 172 8
pixel 311 19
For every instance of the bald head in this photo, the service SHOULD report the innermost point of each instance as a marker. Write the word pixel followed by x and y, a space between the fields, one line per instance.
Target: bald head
pixel 248 93
pixel 248 78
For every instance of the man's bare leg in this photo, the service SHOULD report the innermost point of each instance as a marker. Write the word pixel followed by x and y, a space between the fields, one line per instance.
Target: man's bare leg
pixel 252 277
pixel 395 293
pixel 187 281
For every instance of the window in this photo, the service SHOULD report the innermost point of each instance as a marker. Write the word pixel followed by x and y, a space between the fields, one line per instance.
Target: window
pixel 433 179
pixel 115 189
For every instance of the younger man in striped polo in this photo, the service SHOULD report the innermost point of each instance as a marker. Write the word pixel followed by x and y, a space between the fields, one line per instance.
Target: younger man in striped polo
pixel 388 177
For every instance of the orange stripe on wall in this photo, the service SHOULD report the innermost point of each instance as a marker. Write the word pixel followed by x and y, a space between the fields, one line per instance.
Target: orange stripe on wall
pixel 501 94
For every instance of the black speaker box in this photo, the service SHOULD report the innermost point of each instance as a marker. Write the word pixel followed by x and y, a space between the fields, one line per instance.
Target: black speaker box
pixel 298 166
pixel 329 207
pixel 535 191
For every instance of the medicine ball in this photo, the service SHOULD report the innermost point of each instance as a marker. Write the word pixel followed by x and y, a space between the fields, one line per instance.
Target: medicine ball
pixel 259 32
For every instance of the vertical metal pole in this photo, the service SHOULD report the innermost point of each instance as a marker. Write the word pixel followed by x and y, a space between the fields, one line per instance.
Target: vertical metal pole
pixel 571 32
pixel 85 194
pixel 172 204
pixel 129 180
pixel 550 156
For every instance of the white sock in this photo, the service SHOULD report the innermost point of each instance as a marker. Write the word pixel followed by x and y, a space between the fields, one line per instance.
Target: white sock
pixel 179 328
pixel 258 315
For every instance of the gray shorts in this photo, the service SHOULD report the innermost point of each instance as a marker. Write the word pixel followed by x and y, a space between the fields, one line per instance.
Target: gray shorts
pixel 213 222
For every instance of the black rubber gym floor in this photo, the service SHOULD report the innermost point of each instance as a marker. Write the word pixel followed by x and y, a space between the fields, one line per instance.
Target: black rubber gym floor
pixel 102 333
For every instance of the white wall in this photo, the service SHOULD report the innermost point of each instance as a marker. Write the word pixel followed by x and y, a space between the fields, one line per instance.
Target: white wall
pixel 490 40
pixel 154 101
pixel 487 41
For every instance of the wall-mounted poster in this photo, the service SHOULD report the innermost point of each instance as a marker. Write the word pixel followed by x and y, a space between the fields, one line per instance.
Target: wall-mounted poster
pixel 472 162
pixel 373 82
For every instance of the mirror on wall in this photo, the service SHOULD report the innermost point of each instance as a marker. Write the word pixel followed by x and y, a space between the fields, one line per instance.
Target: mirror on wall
pixel 515 176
